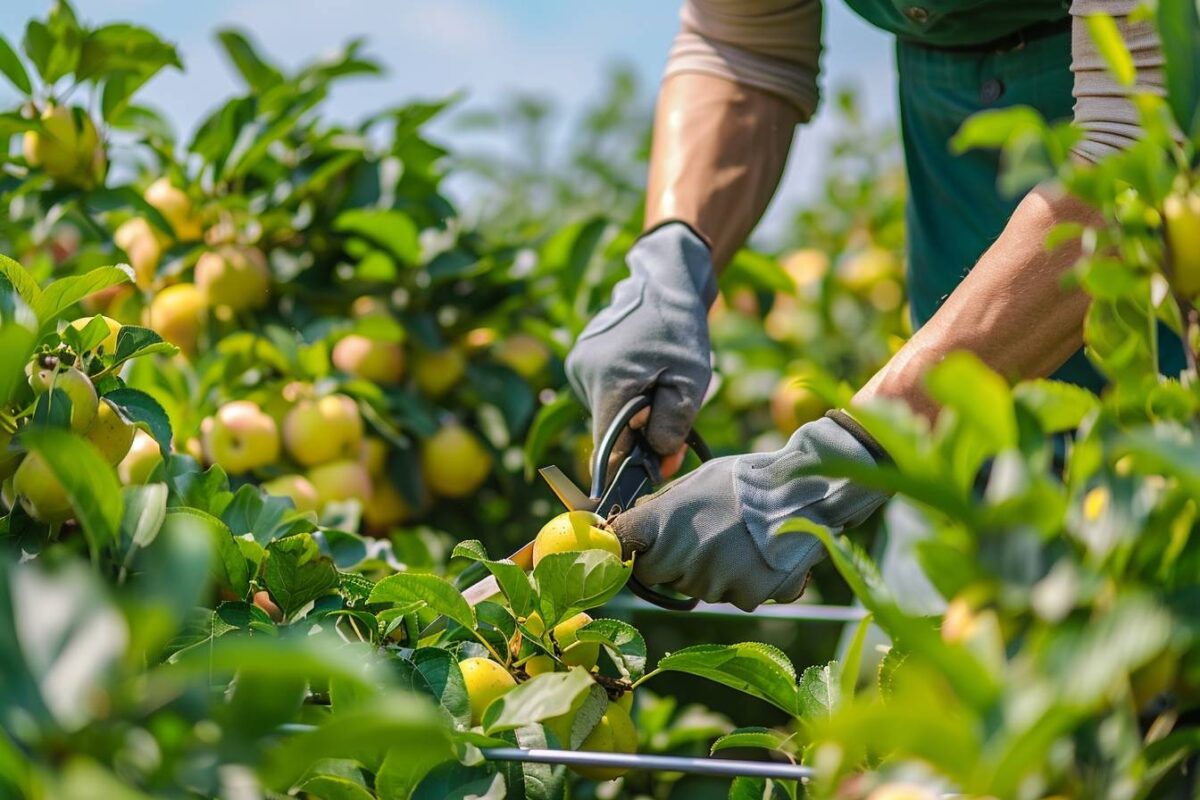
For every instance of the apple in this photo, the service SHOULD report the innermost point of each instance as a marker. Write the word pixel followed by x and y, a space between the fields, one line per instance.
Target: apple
pixel 368 306
pixel 67 148
pixel 806 267
pixel 574 652
pixel 1181 217
pixel 614 733
pixel 370 359
pixel 387 508
pixel 174 204
pixel 438 371
pixel 793 403
pixel 177 314
pixel 262 599
pixel 453 462
pixel 297 488
pixel 863 270
pixel 77 386
pixel 485 680
pixel 143 245
pixel 341 480
pixel 109 342
pixel 240 438
pixel 139 463
pixel 625 701
pixel 323 429
pixel 524 354
pixel 111 434
pixel 901 791
pixel 40 492
pixel 573 531
pixel 373 455
pixel 233 278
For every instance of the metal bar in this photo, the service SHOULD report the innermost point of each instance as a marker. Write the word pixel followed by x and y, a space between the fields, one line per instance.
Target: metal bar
pixel 800 612
pixel 720 767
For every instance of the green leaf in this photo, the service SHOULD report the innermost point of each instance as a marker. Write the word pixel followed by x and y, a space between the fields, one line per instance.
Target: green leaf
pixel 995 128
pixel 435 673
pixel 122 47
pixel 819 690
pixel 22 280
pixel 13 69
pixel 551 694
pixel 623 641
pixel 435 592
pixel 764 738
pixel 744 788
pixel 17 339
pixel 229 566
pixel 393 230
pixel 122 198
pixel 751 667
pixel 572 582
pixel 1057 406
pixel 852 659
pixel 550 421
pixel 88 479
pixel 134 341
pixel 298 573
pixel 258 74
pixel 1179 29
pixel 514 581
pixel 141 409
pixel 66 292
pixel 1107 37
pixel 145 512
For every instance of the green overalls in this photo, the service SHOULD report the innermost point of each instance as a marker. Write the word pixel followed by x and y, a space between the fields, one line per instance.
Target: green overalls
pixel 954 58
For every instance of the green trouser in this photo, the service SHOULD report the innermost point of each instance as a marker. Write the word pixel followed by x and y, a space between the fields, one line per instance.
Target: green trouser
pixel 955 209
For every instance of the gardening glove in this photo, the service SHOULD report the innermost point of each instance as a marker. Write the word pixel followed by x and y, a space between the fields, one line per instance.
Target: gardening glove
pixel 651 339
pixel 712 533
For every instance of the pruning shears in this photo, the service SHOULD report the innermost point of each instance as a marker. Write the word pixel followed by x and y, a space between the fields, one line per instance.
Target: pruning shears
pixel 634 476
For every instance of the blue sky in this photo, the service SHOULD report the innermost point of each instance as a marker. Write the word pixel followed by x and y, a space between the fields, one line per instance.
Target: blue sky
pixel 555 48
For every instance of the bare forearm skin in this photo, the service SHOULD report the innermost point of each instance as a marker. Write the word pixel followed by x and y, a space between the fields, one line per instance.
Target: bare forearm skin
pixel 1011 310
pixel 719 150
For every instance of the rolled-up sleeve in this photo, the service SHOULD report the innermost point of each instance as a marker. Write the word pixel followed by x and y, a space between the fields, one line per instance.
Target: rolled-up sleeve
pixel 773 45
pixel 1103 108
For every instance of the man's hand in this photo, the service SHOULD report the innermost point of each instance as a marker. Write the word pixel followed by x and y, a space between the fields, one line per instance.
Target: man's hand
pixel 712 534
pixel 652 339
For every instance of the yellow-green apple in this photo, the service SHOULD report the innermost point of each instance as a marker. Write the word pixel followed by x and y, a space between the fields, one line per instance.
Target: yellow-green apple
pixel 40 492
pixel 144 247
pixel 485 680
pixel 111 434
pixel 438 371
pixel 524 354
pixel 67 148
pixel 572 531
pixel 240 437
pixel 109 342
pixel 174 204
pixel 322 429
pixel 77 386
pixel 340 480
pixel 371 359
pixel 177 314
pixel 296 487
pixel 454 462
pixel 233 278
pixel 139 463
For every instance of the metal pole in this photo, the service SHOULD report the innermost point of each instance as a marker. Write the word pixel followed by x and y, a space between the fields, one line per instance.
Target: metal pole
pixel 800 612
pixel 719 767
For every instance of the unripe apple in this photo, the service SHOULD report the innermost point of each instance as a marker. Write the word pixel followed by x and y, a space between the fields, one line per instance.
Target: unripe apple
pixel 614 733
pixel 524 354
pixel 539 665
pixel 67 148
pixel 793 404
pixel 296 487
pixel 139 463
pixel 369 359
pixel 485 680
pixel 454 462
pixel 574 652
pixel 177 314
pixel 143 245
pixel 387 508
pixel 234 278
pixel 368 306
pixel 109 342
pixel 864 269
pixel 437 372
pixel 174 204
pixel 573 531
pixel 40 492
pixel 373 455
pixel 111 434
pixel 625 701
pixel 240 438
pixel 323 429
pixel 78 388
pixel 806 267
pixel 341 480
pixel 1181 215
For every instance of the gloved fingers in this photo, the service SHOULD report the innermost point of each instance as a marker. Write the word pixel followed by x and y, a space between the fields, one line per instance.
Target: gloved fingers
pixel 672 412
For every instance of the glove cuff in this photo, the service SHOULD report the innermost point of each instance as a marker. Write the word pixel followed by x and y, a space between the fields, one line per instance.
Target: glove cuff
pixel 677 253
pixel 853 427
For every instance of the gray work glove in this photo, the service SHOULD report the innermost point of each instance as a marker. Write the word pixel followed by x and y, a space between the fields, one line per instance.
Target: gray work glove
pixel 712 533
pixel 652 338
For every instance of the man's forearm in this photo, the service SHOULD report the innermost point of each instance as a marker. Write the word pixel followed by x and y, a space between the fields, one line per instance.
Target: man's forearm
pixel 719 150
pixel 1012 310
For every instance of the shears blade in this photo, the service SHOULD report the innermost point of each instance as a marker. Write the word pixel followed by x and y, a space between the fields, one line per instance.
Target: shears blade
pixel 566 491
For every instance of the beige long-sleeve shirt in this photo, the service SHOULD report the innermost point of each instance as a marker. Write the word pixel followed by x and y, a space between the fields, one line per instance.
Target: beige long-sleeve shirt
pixel 775 46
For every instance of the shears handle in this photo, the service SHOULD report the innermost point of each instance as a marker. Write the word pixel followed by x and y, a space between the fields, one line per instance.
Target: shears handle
pixel 600 482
